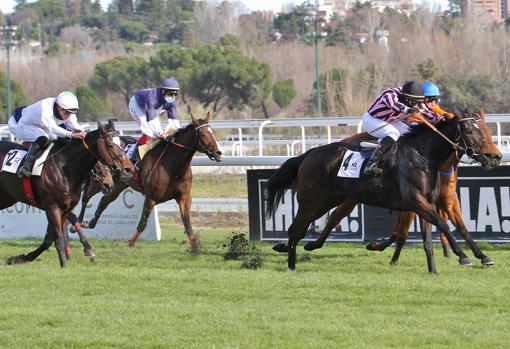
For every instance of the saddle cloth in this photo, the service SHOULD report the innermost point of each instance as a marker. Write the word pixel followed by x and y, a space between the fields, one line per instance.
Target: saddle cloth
pixel 353 163
pixel 15 157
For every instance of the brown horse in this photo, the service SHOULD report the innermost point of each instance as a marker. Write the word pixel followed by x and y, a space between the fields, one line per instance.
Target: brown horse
pixel 448 206
pixel 410 181
pixel 58 188
pixel 99 180
pixel 166 174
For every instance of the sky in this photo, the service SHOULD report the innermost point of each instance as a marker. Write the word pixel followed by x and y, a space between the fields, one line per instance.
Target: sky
pixel 6 6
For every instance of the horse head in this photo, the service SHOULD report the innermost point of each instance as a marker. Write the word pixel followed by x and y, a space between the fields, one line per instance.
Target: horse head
pixel 475 139
pixel 110 152
pixel 102 177
pixel 206 141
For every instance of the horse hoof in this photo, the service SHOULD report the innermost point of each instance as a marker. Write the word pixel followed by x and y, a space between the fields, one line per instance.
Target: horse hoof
pixel 393 262
pixel 487 261
pixel 372 246
pixel 292 270
pixel 195 245
pixel 465 261
pixel 311 245
pixel 84 224
pixel 131 243
pixel 281 248
pixel 16 260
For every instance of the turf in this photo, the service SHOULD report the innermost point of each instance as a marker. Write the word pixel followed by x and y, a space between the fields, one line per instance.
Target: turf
pixel 159 295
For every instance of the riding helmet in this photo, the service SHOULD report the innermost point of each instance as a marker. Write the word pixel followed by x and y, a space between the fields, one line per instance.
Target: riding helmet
pixel 170 84
pixel 430 89
pixel 67 101
pixel 413 93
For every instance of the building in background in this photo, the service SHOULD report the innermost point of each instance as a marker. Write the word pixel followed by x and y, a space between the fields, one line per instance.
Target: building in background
pixel 342 7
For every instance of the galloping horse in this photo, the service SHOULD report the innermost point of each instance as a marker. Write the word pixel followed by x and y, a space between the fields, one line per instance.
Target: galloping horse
pixel 166 174
pixel 99 180
pixel 448 205
pixel 57 189
pixel 410 180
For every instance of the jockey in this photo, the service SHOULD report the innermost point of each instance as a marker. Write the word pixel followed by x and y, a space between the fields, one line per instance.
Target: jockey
pixel 43 121
pixel 432 99
pixel 146 105
pixel 385 118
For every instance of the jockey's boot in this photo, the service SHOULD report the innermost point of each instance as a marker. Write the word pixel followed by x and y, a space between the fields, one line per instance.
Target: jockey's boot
pixel 26 169
pixel 372 167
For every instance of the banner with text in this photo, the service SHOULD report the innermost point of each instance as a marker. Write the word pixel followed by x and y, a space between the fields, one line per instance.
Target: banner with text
pixel 118 221
pixel 484 197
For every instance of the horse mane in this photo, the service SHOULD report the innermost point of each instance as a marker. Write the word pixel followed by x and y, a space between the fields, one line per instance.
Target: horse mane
pixel 183 129
pixel 424 130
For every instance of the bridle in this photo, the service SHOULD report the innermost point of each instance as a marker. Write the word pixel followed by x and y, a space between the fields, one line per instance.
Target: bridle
pixel 109 160
pixel 198 146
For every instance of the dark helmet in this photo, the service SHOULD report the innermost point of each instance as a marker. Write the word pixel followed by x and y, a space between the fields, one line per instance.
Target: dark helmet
pixel 170 84
pixel 413 93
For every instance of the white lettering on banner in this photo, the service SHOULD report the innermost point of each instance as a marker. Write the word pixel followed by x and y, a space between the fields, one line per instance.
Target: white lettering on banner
pixel 488 210
pixel 118 221
pixel 505 209
pixel 466 209
pixel 283 216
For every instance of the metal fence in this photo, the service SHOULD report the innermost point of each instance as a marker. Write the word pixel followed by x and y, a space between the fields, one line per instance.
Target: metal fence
pixel 250 144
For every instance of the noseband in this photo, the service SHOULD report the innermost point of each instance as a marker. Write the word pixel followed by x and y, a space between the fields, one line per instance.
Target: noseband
pixel 198 146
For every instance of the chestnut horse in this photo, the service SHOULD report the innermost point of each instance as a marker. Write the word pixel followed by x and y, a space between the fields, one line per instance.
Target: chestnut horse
pixel 165 174
pixel 448 206
pixel 58 188
pixel 410 180
pixel 99 180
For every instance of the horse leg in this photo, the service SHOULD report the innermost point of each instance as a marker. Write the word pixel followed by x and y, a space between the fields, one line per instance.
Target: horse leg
pixel 54 215
pixel 88 251
pixel 426 232
pixel 340 212
pixel 442 237
pixel 297 230
pixel 428 212
pixel 103 204
pixel 31 256
pixel 184 202
pixel 455 216
pixel 405 219
pixel 148 206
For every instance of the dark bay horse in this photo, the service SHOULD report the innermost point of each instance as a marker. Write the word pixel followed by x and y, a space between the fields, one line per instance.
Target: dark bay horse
pixel 410 180
pixel 58 188
pixel 448 206
pixel 166 174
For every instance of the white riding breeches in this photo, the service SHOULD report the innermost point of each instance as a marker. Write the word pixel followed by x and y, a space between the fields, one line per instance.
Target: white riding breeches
pixel 380 128
pixel 26 133
pixel 151 128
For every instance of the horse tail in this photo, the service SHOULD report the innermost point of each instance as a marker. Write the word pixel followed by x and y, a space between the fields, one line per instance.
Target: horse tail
pixel 280 181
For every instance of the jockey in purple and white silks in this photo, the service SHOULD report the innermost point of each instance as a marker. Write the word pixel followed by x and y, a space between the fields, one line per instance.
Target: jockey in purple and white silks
pixel 146 105
pixel 387 118
pixel 43 121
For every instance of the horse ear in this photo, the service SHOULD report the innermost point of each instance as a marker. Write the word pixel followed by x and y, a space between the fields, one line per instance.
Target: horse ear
pixel 481 113
pixel 208 117
pixel 111 124
pixel 101 127
pixel 193 120
pixel 457 113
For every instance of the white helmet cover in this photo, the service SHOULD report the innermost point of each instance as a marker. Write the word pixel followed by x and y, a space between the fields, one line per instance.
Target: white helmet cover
pixel 67 100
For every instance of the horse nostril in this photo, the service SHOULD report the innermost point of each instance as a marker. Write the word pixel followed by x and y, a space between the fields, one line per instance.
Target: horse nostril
pixel 219 153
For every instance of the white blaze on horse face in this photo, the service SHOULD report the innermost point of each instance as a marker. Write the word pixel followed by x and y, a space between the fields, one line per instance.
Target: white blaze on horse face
pixel 218 145
pixel 116 140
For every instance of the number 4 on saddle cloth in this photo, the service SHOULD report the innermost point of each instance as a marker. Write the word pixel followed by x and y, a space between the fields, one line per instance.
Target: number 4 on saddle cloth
pixel 353 162
pixel 15 158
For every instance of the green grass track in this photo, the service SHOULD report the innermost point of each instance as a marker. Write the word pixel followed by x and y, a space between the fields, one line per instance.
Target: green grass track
pixel 158 295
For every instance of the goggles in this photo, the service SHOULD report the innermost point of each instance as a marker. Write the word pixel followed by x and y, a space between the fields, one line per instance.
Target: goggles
pixel 170 92
pixel 433 99
pixel 69 111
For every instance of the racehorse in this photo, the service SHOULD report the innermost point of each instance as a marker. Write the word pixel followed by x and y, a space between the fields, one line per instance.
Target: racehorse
pixel 166 174
pixel 99 180
pixel 410 180
pixel 448 206
pixel 57 190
